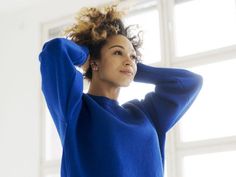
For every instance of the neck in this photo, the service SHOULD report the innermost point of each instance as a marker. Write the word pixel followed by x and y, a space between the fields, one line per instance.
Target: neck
pixel 104 89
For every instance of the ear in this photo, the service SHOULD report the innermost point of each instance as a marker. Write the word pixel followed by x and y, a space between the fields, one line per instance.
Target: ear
pixel 94 65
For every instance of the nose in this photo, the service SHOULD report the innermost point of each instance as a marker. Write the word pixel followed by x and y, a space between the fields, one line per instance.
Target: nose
pixel 128 61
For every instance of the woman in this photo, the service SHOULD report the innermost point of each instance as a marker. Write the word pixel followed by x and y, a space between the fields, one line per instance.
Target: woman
pixel 101 138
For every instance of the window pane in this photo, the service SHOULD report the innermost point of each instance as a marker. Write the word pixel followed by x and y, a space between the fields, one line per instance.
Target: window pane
pixel 53 147
pixel 149 24
pixel 204 25
pixel 209 165
pixel 213 113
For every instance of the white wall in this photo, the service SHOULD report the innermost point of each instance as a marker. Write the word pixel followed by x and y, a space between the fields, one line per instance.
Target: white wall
pixel 20 95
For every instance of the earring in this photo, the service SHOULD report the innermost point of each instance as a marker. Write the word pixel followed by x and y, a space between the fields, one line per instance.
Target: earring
pixel 94 66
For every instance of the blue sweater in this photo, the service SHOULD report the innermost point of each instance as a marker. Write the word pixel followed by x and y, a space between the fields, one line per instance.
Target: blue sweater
pixel 101 138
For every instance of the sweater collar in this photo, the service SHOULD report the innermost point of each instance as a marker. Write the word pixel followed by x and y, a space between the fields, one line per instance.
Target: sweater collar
pixel 104 100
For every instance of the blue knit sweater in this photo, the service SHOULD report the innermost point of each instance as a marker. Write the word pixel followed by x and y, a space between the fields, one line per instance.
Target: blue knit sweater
pixel 101 138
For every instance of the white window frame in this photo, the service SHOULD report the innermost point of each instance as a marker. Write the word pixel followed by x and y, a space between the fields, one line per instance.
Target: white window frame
pixel 175 149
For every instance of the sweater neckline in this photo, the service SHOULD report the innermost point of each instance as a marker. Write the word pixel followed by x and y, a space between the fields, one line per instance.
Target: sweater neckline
pixel 104 100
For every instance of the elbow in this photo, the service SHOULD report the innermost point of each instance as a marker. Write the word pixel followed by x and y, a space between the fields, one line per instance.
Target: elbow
pixel 195 84
pixel 198 82
pixel 53 44
pixel 192 83
pixel 51 48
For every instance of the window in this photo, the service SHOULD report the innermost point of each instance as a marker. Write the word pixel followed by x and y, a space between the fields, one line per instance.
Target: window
pixel 217 99
pixel 210 164
pixel 53 147
pixel 206 136
pixel 203 25
pixel 151 34
pixel 204 140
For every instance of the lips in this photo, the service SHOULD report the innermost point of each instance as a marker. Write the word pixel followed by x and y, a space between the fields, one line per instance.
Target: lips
pixel 127 71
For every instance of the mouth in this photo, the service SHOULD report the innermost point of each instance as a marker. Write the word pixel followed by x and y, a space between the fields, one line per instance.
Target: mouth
pixel 127 72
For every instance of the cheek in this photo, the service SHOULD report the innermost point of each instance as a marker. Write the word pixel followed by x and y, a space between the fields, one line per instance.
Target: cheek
pixel 107 68
pixel 111 64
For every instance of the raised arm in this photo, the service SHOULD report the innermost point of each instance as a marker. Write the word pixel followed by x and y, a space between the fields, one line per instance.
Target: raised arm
pixel 175 91
pixel 62 84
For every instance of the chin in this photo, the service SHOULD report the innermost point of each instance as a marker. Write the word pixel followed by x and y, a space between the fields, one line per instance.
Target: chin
pixel 125 84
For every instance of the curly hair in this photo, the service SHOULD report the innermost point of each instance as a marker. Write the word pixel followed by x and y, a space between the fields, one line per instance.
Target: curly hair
pixel 95 25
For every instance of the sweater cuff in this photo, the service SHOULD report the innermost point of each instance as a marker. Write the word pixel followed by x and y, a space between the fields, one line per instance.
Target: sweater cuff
pixel 144 73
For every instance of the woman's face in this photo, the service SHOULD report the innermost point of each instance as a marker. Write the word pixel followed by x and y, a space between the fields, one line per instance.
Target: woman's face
pixel 117 65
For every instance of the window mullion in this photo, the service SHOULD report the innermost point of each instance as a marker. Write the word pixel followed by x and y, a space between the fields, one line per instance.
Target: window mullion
pixel 166 10
pixel 207 146
pixel 171 154
pixel 181 1
pixel 208 57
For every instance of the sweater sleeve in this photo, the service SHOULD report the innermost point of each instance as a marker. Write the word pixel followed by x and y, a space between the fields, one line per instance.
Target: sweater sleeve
pixel 175 91
pixel 57 60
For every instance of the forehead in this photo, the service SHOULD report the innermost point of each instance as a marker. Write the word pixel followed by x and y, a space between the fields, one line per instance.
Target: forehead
pixel 119 40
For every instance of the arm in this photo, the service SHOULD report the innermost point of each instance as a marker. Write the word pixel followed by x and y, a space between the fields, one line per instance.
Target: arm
pixel 175 91
pixel 59 74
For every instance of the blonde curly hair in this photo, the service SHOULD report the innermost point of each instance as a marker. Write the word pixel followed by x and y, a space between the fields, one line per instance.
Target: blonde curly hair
pixel 94 26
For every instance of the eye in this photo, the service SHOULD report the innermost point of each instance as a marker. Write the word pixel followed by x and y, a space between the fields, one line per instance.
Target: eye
pixel 117 52
pixel 134 57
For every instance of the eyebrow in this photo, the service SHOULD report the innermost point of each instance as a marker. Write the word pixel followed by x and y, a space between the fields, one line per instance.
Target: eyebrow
pixel 120 46
pixel 117 46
